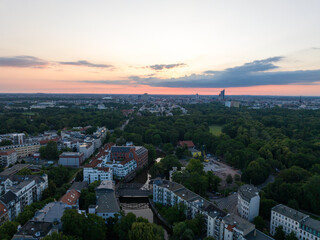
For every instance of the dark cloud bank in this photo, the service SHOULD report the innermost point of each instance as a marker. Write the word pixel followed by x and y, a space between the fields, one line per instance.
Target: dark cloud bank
pixel 256 73
pixel 22 61
pixel 30 61
pixel 86 63
pixel 160 67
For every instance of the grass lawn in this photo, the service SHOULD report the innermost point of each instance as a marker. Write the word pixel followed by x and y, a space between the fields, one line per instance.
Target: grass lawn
pixel 216 129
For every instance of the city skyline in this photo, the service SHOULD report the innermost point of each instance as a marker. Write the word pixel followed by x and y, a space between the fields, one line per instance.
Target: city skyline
pixel 167 47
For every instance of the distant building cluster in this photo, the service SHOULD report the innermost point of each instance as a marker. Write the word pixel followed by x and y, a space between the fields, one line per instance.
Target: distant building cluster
pixel 76 140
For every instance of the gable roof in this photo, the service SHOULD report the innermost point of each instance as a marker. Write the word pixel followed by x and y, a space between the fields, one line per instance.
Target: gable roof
pixel 8 197
pixel 71 197
pixel 188 143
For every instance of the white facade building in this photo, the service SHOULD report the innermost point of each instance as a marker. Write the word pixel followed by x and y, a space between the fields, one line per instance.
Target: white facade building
pixel 219 224
pixel 91 174
pixel 248 202
pixel 86 148
pixel 304 227
pixel 8 157
pixel 20 191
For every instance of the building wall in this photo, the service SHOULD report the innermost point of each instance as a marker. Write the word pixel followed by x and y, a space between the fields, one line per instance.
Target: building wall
pixel 92 174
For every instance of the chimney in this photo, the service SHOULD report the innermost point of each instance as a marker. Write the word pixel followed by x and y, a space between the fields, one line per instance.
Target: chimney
pixel 255 233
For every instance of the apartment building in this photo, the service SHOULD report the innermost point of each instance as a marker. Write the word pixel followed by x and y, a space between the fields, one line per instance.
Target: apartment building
pixel 4 216
pixel 71 159
pixel 87 148
pixel 106 204
pixel 219 224
pixel 304 227
pixel 94 172
pixel 23 150
pixel 248 202
pixel 8 157
pixel 17 192
pixel 138 153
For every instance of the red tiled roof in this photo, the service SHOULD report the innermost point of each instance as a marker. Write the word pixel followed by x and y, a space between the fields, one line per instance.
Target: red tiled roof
pixel 93 163
pixel 70 197
pixel 188 143
pixel 106 169
pixel 3 209
pixel 125 161
pixel 230 227
pixel 8 152
pixel 42 142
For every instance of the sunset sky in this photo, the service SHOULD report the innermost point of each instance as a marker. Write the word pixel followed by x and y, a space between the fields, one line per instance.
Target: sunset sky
pixel 256 47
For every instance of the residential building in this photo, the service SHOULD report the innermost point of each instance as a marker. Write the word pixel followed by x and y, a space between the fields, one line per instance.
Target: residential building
pixel 219 224
pixel 189 144
pixel 71 159
pixel 14 170
pixel 33 230
pixel 107 204
pixel 12 204
pixel 138 153
pixel 71 198
pixel 122 169
pixel 79 186
pixel 20 191
pixel 121 161
pixel 52 212
pixel 87 149
pixel 23 150
pixel 8 157
pixel 92 172
pixel 4 215
pixel 304 227
pixel 248 202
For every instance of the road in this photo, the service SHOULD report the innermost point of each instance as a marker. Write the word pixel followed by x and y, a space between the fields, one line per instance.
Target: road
pixel 125 124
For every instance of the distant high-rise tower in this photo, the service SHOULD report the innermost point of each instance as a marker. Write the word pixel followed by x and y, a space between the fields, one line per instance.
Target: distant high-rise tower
pixel 222 94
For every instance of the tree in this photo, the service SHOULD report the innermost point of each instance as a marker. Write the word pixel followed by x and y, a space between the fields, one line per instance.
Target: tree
pixel 209 238
pixel 168 148
pixel 8 229
pixel 259 222
pixel 123 227
pixel 91 227
pixel 146 231
pixel 311 191
pixel 237 178
pixel 291 236
pixel 25 171
pixel 50 151
pixel 73 223
pixel 229 179
pixel 58 236
pixel 265 208
pixel 151 153
pixel 279 234
pixel 182 232
pixel 5 142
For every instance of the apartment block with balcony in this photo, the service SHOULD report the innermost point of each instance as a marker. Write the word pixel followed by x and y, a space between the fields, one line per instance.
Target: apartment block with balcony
pixel 302 225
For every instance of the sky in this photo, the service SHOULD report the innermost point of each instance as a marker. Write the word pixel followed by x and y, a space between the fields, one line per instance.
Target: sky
pixel 247 47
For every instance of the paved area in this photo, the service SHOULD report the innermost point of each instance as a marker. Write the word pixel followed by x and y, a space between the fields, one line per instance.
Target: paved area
pixel 220 169
pixel 229 203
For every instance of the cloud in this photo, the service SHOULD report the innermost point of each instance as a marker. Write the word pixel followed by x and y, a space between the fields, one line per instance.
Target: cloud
pixel 22 62
pixel 86 63
pixel 254 73
pixel 160 67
